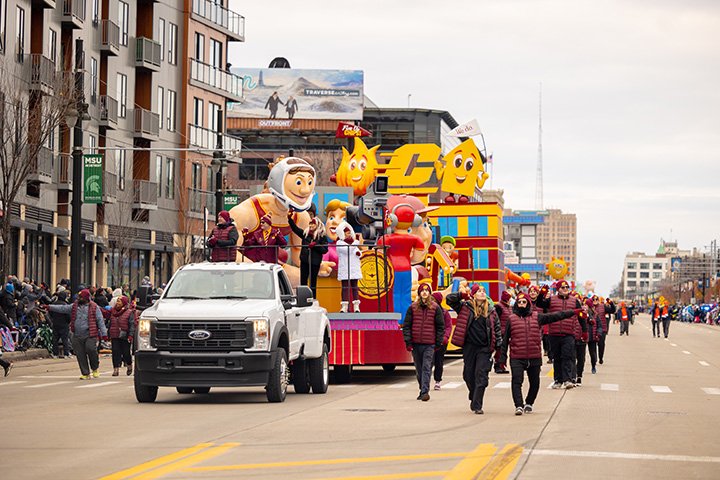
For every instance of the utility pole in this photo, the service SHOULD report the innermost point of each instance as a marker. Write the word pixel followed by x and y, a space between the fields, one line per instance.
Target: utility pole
pixel 77 176
pixel 219 160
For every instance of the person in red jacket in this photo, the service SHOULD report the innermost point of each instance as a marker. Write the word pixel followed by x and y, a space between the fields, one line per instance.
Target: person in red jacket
pixel 602 310
pixel 534 294
pixel 122 331
pixel 523 335
pixel 656 314
pixel 582 339
pixel 504 310
pixel 477 331
pixel 223 239
pixel 265 244
pixel 439 361
pixel 423 330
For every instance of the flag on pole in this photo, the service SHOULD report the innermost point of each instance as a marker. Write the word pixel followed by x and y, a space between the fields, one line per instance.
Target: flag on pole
pixel 466 129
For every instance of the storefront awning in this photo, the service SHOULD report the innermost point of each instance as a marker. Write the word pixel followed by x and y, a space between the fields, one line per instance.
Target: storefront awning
pixel 39 227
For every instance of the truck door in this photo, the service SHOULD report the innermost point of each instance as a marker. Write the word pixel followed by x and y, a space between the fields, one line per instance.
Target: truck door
pixel 292 317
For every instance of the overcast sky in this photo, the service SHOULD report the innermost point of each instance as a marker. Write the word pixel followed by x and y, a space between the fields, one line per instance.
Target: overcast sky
pixel 631 99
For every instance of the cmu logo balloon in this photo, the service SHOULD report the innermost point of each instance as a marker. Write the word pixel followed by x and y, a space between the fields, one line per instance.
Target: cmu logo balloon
pixel 557 268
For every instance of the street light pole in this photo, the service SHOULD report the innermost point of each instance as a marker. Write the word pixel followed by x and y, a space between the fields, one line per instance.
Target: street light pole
pixel 77 176
pixel 219 160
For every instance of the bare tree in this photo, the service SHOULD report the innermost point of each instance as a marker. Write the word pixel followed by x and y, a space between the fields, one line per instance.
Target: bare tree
pixel 34 101
pixel 121 236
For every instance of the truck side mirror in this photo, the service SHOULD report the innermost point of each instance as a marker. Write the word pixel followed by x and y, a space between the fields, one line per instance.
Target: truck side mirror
pixel 304 296
pixel 287 301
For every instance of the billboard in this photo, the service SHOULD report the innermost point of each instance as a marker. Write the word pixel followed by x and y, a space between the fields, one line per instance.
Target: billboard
pixel 284 93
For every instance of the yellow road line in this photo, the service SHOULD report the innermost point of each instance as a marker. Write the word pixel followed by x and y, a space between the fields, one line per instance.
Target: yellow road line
pixel 503 464
pixel 393 476
pixel 336 461
pixel 473 463
pixel 550 373
pixel 186 462
pixel 127 473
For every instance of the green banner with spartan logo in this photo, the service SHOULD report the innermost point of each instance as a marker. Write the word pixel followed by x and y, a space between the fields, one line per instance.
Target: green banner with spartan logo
pixel 92 178
pixel 230 200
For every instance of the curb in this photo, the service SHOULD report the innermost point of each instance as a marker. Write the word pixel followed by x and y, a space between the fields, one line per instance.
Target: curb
pixel 32 354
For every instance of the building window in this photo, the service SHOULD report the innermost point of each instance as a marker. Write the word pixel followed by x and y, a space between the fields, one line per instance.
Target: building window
pixel 216 53
pixel 632 265
pixel 124 20
pixel 158 174
pixel 160 104
pixel 120 169
pixel 657 266
pixel 657 275
pixel 196 176
pixel 172 44
pixel 199 47
pixel 632 284
pixel 92 144
pixel 95 12
pixel 210 180
pixel 254 169
pixel 632 274
pixel 213 109
pixel 161 37
pixel 20 34
pixel 198 106
pixel 170 178
pixel 122 94
pixel 644 266
pixel 52 45
pixel 644 274
pixel 172 99
pixel 3 24
pixel 93 79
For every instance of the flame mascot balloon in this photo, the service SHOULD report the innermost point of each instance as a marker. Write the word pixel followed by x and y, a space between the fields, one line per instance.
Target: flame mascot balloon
pixel 357 169
pixel 557 268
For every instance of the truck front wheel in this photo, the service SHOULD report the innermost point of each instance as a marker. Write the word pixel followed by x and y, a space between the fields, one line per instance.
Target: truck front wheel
pixel 278 382
pixel 319 370
pixel 144 393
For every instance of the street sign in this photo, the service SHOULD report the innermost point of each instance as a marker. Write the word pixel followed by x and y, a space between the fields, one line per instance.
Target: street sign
pixel 230 200
pixel 92 178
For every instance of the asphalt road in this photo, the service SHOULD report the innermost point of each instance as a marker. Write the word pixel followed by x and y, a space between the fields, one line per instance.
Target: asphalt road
pixel 652 411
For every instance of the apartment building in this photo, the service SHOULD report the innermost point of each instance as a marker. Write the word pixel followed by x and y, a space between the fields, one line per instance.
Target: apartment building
pixel 520 245
pixel 557 237
pixel 155 78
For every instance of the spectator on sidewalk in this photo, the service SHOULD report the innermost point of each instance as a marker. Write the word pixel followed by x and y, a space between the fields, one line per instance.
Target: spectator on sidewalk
pixel 87 326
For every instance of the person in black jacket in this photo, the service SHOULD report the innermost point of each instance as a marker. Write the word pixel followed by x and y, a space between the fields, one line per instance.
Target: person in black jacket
pixel 61 327
pixel 479 326
pixel 7 302
pixel 314 246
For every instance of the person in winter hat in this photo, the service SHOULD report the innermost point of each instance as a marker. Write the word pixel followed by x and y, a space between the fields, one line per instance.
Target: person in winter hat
pixel 439 360
pixel 503 309
pixel 423 331
pixel 348 268
pixel 223 239
pixel 264 244
pixel 87 326
pixel 314 246
pixel 122 331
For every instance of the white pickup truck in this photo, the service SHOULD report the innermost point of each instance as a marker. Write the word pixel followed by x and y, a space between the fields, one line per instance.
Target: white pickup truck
pixel 232 325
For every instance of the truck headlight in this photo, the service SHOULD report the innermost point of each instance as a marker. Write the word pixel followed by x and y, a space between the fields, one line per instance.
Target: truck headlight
pixel 143 335
pixel 261 333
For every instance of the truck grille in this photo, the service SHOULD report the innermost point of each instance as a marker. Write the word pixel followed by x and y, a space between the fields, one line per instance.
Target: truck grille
pixel 225 336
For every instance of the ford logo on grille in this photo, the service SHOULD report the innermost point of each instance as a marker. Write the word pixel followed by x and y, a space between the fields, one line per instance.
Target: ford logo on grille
pixel 199 335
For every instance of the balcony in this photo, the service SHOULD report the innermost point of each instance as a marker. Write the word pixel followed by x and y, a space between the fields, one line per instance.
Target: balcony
pixel 42 73
pixel 198 200
pixel 207 140
pixel 42 170
pixel 218 17
pixel 73 14
pixel 147 54
pixel 145 195
pixel 44 3
pixel 108 112
pixel 63 171
pixel 218 81
pixel 147 124
pixel 110 38
pixel 110 184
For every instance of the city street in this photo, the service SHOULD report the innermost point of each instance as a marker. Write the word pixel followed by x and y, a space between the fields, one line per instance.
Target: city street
pixel 651 411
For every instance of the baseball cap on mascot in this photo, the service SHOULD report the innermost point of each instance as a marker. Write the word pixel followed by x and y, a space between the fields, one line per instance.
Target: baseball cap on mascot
pixel 276 182
pixel 402 217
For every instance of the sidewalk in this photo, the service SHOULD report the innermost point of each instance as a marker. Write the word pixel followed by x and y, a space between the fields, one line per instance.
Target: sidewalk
pixel 32 354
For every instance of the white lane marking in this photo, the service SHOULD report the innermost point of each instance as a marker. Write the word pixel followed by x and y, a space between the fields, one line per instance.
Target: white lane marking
pixel 666 339
pixel 400 385
pixel 49 376
pixel 631 456
pixel 95 385
pixel 711 391
pixel 686 352
pixel 502 385
pixel 452 385
pixel 673 344
pixel 345 385
pixel 45 385
pixel 13 382
pixel 704 363
pixel 610 387
pixel 454 363
pixel 660 389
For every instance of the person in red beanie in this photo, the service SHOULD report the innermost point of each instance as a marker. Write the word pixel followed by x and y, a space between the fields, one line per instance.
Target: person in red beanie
pixel 265 244
pixel 423 330
pixel 439 360
pixel 87 327
pixel 223 239
pixel 122 331
pixel 504 310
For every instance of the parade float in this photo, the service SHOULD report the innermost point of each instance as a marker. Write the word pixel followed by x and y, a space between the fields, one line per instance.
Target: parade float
pixel 401 239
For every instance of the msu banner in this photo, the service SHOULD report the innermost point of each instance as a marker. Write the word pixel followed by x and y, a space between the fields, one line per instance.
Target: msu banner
pixel 287 94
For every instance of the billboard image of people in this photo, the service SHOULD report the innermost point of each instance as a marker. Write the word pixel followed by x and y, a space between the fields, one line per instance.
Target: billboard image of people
pixel 287 94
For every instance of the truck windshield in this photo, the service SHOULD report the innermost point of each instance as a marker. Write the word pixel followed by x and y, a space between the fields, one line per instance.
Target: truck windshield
pixel 228 284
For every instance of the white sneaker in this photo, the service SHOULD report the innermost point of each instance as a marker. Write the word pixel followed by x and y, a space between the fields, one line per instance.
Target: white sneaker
pixel 519 411
pixel 556 386
pixel 568 385
pixel 528 409
pixel 356 306
pixel 437 386
pixel 343 307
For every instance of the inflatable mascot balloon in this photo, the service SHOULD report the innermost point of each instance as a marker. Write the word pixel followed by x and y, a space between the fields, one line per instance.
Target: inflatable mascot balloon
pixel 557 268
pixel 357 169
